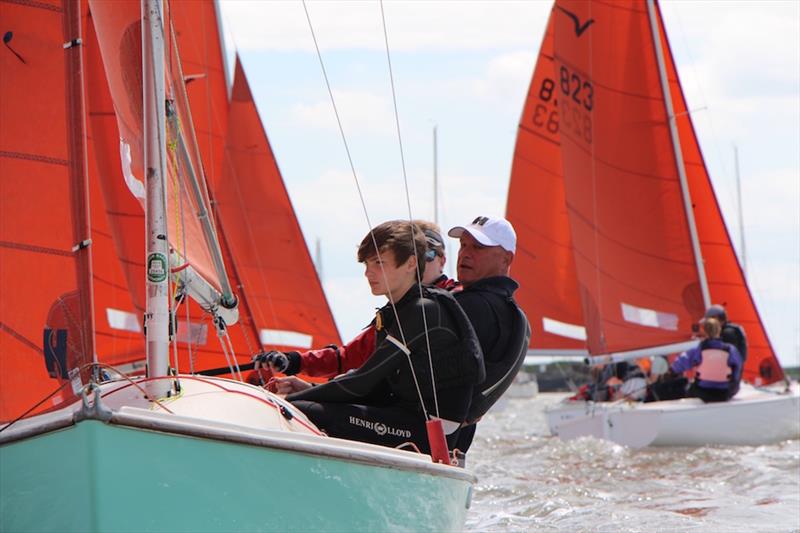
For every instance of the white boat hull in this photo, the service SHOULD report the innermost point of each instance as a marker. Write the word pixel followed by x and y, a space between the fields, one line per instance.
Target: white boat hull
pixel 752 417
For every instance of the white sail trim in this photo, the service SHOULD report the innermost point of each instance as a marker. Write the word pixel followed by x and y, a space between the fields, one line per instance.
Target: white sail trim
pixel 135 185
pixel 123 320
pixel 564 329
pixel 282 337
pixel 649 317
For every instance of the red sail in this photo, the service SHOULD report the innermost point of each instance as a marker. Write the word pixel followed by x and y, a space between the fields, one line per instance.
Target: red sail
pixel 270 254
pixel 45 277
pixel 726 281
pixel 537 208
pixel 118 26
pixel 198 345
pixel 633 251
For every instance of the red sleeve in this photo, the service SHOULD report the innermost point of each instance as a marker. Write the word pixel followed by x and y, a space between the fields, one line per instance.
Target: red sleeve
pixel 332 361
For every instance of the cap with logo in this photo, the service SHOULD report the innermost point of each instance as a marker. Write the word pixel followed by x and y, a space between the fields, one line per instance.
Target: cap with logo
pixel 489 231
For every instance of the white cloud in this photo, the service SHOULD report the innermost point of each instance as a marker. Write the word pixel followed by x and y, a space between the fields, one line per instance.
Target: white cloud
pixel 411 26
pixel 361 113
pixel 506 76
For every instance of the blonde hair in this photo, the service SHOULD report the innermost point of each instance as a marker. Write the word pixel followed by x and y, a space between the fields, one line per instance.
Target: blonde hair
pixel 712 327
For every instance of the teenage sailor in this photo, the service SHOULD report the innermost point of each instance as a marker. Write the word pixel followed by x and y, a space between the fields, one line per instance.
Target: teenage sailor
pixel 380 402
pixel 717 364
pixel 333 360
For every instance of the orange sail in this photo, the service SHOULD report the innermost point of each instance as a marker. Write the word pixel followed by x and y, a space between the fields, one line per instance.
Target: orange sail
pixel 45 278
pixel 281 285
pixel 198 345
pixel 635 263
pixel 118 28
pixel 537 209
pixel 726 281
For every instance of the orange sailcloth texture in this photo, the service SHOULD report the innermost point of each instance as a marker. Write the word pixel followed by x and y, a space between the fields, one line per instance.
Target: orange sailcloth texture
pixel 45 275
pixel 536 207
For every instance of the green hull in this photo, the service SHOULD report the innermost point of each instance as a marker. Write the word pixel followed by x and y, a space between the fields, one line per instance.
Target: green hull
pixel 95 476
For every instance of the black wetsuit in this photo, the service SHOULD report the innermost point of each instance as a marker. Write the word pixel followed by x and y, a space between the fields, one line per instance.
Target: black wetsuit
pixel 489 304
pixel 379 402
pixel 734 334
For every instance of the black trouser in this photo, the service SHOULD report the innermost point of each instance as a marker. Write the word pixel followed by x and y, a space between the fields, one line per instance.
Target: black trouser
pixel 386 426
pixel 709 395
pixel 670 389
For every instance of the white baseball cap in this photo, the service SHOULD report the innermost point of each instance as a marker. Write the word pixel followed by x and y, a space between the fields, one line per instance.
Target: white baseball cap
pixel 489 232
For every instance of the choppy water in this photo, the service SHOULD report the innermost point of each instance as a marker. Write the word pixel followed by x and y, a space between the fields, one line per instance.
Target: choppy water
pixel 531 481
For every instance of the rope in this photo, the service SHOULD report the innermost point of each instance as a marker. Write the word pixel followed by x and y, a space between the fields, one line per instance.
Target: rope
pixel 410 217
pixel 361 196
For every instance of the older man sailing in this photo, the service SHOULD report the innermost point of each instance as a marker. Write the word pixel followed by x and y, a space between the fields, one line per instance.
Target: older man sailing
pixel 484 263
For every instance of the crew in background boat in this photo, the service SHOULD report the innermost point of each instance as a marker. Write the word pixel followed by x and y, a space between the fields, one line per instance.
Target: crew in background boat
pixel 617 381
pixel 717 365
pixel 333 360
pixel 484 262
pixel 380 402
pixel 731 333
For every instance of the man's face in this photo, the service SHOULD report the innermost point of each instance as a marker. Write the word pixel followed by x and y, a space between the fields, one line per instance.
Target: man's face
pixel 476 261
pixel 392 278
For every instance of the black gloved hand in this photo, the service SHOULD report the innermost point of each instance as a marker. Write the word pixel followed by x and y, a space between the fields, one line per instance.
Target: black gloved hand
pixel 274 360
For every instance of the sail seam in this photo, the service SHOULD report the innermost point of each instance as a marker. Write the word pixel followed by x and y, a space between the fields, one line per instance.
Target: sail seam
pixel 33 157
pixel 36 249
pixel 21 338
pixel 534 132
pixel 35 4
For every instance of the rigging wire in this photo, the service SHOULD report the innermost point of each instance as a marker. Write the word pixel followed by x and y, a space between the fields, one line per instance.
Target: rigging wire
pixel 408 204
pixel 364 206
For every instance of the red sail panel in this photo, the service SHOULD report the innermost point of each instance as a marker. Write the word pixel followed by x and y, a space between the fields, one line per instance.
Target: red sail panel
pixel 536 208
pixel 198 345
pixel 119 32
pixel 197 32
pixel 198 37
pixel 45 307
pixel 118 321
pixel 726 281
pixel 633 252
pixel 270 254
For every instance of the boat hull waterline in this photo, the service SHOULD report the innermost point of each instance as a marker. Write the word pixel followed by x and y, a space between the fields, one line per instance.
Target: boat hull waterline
pixel 753 417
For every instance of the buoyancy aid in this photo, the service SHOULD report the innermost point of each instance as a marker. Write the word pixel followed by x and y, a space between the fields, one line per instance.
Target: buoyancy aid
pixel 714 366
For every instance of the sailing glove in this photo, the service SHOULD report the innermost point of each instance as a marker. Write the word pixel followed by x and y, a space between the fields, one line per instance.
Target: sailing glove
pixel 286 363
pixel 276 361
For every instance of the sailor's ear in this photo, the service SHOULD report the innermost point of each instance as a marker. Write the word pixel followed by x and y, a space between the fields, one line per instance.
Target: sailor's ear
pixel 509 257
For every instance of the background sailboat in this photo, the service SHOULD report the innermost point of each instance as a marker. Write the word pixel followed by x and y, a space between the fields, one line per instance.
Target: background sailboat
pixel 649 246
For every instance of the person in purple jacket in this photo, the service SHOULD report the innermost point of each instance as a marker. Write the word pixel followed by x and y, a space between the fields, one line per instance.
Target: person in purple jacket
pixel 717 365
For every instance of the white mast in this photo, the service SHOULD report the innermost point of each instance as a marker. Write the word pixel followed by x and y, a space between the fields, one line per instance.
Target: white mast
pixel 673 128
pixel 157 316
pixel 435 180
pixel 742 249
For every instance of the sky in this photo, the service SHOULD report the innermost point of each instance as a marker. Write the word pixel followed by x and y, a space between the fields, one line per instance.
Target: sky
pixel 463 67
